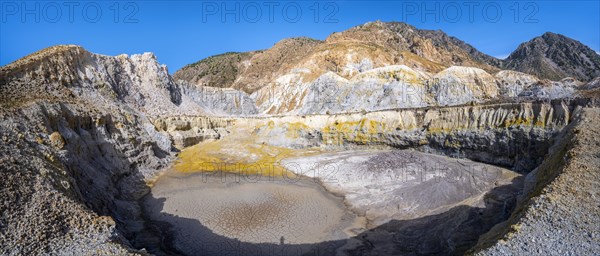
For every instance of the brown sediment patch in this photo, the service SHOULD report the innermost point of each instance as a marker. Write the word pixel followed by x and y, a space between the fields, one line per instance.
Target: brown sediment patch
pixel 252 210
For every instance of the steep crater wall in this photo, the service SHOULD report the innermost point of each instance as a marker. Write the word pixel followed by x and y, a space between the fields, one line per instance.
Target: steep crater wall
pixel 72 178
pixel 515 135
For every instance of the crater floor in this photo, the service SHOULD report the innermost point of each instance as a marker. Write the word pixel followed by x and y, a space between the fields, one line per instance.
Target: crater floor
pixel 331 201
pixel 214 208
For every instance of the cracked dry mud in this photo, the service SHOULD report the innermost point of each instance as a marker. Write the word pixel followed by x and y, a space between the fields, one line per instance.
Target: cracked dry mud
pixel 207 212
pixel 355 192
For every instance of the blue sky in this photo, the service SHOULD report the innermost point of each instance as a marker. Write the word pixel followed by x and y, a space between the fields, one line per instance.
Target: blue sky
pixel 183 32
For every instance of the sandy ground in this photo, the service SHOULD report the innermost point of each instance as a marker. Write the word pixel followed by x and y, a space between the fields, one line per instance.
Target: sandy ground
pixel 249 209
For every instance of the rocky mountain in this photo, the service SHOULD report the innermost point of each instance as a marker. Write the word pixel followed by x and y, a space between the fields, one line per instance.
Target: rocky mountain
pixel 83 137
pixel 372 45
pixel 71 73
pixel 384 65
pixel 248 71
pixel 433 45
pixel 215 71
pixel 554 56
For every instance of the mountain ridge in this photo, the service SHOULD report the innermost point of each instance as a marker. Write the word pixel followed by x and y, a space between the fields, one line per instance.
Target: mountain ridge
pixel 398 43
pixel 555 56
pixel 70 72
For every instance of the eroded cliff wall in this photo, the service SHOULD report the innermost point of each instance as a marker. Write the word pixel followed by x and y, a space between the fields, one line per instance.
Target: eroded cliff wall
pixel 516 135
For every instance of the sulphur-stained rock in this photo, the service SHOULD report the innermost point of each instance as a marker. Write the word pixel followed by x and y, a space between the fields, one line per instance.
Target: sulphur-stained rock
pixel 503 134
pixel 182 139
pixel 188 131
pixel 394 72
pixel 57 140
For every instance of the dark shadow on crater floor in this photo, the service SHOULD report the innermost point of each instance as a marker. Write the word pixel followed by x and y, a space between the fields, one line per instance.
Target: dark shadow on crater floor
pixel 449 233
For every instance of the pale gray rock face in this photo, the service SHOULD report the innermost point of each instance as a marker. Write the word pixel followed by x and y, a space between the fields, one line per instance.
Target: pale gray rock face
pixel 147 86
pixel 358 67
pixel 376 89
pixel 512 83
pixel 138 81
pixel 460 85
pixel 398 86
pixel 595 83
pixel 162 138
pixel 220 101
pixel 550 90
pixel 101 164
